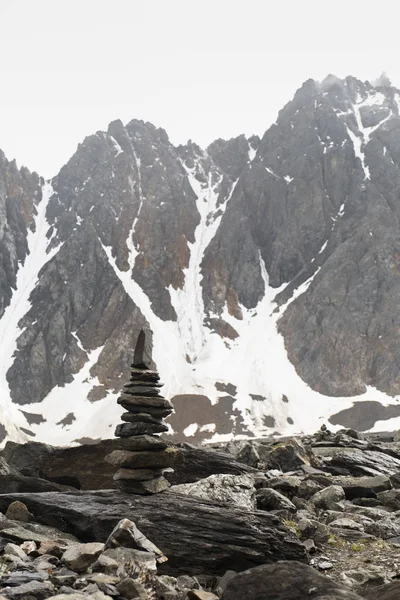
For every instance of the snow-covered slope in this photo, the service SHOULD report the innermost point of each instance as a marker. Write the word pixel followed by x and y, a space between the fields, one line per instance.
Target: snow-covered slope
pixel 267 272
pixel 27 277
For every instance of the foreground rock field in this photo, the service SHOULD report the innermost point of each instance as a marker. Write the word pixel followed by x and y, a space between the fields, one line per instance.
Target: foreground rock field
pixel 279 519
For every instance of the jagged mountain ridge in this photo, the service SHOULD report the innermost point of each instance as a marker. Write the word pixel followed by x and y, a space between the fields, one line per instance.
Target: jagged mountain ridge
pixel 237 259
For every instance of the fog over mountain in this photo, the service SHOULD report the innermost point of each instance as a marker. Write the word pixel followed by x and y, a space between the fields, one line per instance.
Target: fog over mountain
pixel 266 271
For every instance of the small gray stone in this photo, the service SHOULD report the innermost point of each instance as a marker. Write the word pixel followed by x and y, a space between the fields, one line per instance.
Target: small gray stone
pixel 345 523
pixel 288 455
pixel 45 562
pixel 145 459
pixel 363 487
pixel 308 488
pixel 80 596
pixel 105 564
pixel 128 484
pixel 65 577
pixel 140 428
pixel 17 511
pixel 270 499
pixel 52 549
pixel 390 498
pixel 29 548
pixel 365 577
pixel 14 550
pixel 126 534
pixel 21 577
pixel 131 589
pixel 186 582
pixel 39 590
pixel 127 556
pixel 311 528
pixel 384 529
pixel 65 589
pixel 201 595
pixel 331 498
pixel 101 579
pixel 80 556
pixel 164 584
pixel 285 484
pixel 248 455
pixel 309 545
pixel 225 579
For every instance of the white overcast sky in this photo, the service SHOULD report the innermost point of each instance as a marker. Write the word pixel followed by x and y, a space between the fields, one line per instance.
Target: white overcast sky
pixel 201 69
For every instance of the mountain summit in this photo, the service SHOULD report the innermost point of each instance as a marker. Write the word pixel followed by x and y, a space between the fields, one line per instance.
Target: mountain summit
pixel 267 271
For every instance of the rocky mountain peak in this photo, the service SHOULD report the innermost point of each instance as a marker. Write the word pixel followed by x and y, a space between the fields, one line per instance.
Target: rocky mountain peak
pixel 266 270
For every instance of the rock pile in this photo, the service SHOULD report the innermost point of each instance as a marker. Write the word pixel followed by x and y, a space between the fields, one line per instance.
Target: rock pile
pixel 142 463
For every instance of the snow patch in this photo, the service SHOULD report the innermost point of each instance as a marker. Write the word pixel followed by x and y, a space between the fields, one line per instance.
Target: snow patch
pixel 190 430
pixel 92 419
pixel 130 240
pixel 210 427
pixel 188 301
pixel 365 133
pixel 323 247
pixel 252 153
pixel 272 172
pixel 116 146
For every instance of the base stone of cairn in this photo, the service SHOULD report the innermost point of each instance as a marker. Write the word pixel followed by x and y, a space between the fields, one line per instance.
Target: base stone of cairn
pixel 142 464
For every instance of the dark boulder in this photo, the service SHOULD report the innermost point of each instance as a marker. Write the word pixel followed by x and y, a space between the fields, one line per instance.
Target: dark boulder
pixel 14 483
pixel 269 499
pixel 290 455
pixel 363 487
pixel 358 463
pixel 286 580
pixel 59 465
pixel 390 591
pixel 194 463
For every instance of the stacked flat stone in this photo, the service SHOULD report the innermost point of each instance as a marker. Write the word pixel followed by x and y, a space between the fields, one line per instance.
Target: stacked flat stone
pixel 145 455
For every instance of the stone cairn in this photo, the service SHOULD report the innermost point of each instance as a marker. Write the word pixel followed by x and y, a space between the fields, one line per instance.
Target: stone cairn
pixel 144 455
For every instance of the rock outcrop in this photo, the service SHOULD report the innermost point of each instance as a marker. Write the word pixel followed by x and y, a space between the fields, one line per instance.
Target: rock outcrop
pixel 58 465
pixel 219 537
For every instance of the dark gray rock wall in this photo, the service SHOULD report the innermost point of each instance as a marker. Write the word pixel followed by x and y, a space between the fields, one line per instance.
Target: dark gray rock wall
pixel 132 176
pixel 305 204
pixel 78 305
pixel 341 333
pixel 20 192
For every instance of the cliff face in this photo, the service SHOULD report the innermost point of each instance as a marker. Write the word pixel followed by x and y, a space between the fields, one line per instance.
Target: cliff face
pixel 267 271
pixel 20 192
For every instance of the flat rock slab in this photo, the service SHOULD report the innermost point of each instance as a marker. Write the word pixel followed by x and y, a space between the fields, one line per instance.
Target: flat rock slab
pixel 196 535
pixel 136 400
pixel 367 462
pixel 142 460
pixel 139 428
pixel 22 532
pixel 363 487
